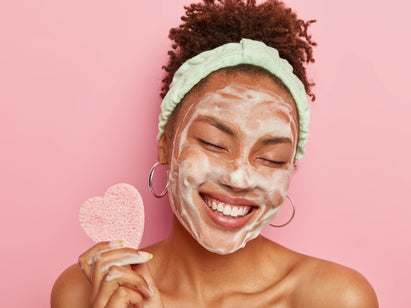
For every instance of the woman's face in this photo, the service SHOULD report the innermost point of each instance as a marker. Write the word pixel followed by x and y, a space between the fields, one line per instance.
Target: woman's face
pixel 231 159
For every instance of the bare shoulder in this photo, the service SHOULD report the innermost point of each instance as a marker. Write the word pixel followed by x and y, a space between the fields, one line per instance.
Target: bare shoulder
pixel 71 289
pixel 326 284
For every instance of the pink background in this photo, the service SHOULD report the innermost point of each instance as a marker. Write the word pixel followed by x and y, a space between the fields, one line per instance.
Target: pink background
pixel 79 84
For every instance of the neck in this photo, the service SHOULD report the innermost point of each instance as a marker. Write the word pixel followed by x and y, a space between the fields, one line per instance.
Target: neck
pixel 196 269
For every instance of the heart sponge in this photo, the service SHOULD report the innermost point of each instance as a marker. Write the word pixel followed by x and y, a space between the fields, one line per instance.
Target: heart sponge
pixel 119 215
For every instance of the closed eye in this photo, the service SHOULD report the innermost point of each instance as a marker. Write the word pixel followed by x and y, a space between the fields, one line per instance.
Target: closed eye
pixel 211 144
pixel 273 162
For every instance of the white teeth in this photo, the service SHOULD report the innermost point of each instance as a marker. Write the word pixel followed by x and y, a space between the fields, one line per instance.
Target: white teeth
pixel 241 211
pixel 228 210
pixel 220 207
pixel 234 212
pixel 213 205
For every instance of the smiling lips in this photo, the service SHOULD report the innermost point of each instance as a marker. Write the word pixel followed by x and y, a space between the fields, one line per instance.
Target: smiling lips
pixel 228 215
pixel 226 209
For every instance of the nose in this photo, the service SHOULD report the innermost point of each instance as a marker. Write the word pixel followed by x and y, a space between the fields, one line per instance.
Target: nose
pixel 239 177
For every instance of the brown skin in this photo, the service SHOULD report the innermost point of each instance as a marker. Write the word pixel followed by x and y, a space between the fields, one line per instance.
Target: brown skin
pixel 184 274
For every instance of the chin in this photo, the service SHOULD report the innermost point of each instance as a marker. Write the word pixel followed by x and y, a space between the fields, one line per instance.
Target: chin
pixel 225 244
pixel 225 250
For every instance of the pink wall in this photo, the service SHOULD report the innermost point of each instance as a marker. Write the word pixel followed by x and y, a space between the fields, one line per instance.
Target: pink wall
pixel 79 83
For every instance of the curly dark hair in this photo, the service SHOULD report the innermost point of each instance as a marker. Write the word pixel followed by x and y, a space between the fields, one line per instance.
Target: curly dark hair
pixel 214 23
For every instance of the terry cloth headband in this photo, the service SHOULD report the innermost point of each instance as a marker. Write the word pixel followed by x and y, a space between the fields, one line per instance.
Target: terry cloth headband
pixel 245 52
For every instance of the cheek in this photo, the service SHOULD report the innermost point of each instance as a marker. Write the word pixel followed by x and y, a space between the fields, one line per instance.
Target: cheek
pixel 277 198
pixel 193 167
pixel 276 190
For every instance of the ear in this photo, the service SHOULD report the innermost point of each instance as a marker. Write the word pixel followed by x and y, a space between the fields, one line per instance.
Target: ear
pixel 162 150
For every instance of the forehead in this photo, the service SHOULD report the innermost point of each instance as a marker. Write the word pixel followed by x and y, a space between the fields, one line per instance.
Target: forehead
pixel 244 103
pixel 231 96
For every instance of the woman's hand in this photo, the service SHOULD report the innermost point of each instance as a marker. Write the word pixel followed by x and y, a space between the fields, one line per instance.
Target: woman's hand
pixel 113 282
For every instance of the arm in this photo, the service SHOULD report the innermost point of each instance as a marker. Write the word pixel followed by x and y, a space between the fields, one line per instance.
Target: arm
pixel 71 289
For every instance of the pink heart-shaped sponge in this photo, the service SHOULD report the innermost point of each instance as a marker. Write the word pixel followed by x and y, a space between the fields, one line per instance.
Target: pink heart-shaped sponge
pixel 119 215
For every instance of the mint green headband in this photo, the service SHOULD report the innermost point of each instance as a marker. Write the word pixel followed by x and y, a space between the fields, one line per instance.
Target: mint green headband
pixel 245 52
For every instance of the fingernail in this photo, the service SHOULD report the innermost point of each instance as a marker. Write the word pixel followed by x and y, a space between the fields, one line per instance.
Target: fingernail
pixel 146 292
pixel 146 256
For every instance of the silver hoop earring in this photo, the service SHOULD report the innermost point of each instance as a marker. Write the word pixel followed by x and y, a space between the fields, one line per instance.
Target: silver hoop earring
pixel 292 216
pixel 150 179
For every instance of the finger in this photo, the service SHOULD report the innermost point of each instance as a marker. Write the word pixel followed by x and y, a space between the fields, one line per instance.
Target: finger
pixel 120 276
pixel 87 259
pixel 144 271
pixel 118 257
pixel 123 297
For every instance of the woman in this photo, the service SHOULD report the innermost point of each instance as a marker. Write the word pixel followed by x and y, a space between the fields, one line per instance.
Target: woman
pixel 233 124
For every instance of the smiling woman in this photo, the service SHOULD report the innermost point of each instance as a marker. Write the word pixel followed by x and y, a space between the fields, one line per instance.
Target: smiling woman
pixel 234 122
pixel 239 133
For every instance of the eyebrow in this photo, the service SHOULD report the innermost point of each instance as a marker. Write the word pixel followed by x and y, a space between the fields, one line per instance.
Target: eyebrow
pixel 216 123
pixel 276 140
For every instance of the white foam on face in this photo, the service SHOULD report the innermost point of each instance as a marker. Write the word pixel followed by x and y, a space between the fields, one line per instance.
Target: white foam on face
pixel 254 112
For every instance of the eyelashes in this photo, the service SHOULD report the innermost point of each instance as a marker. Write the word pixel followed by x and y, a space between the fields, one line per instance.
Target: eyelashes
pixel 218 148
pixel 212 145
pixel 273 162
